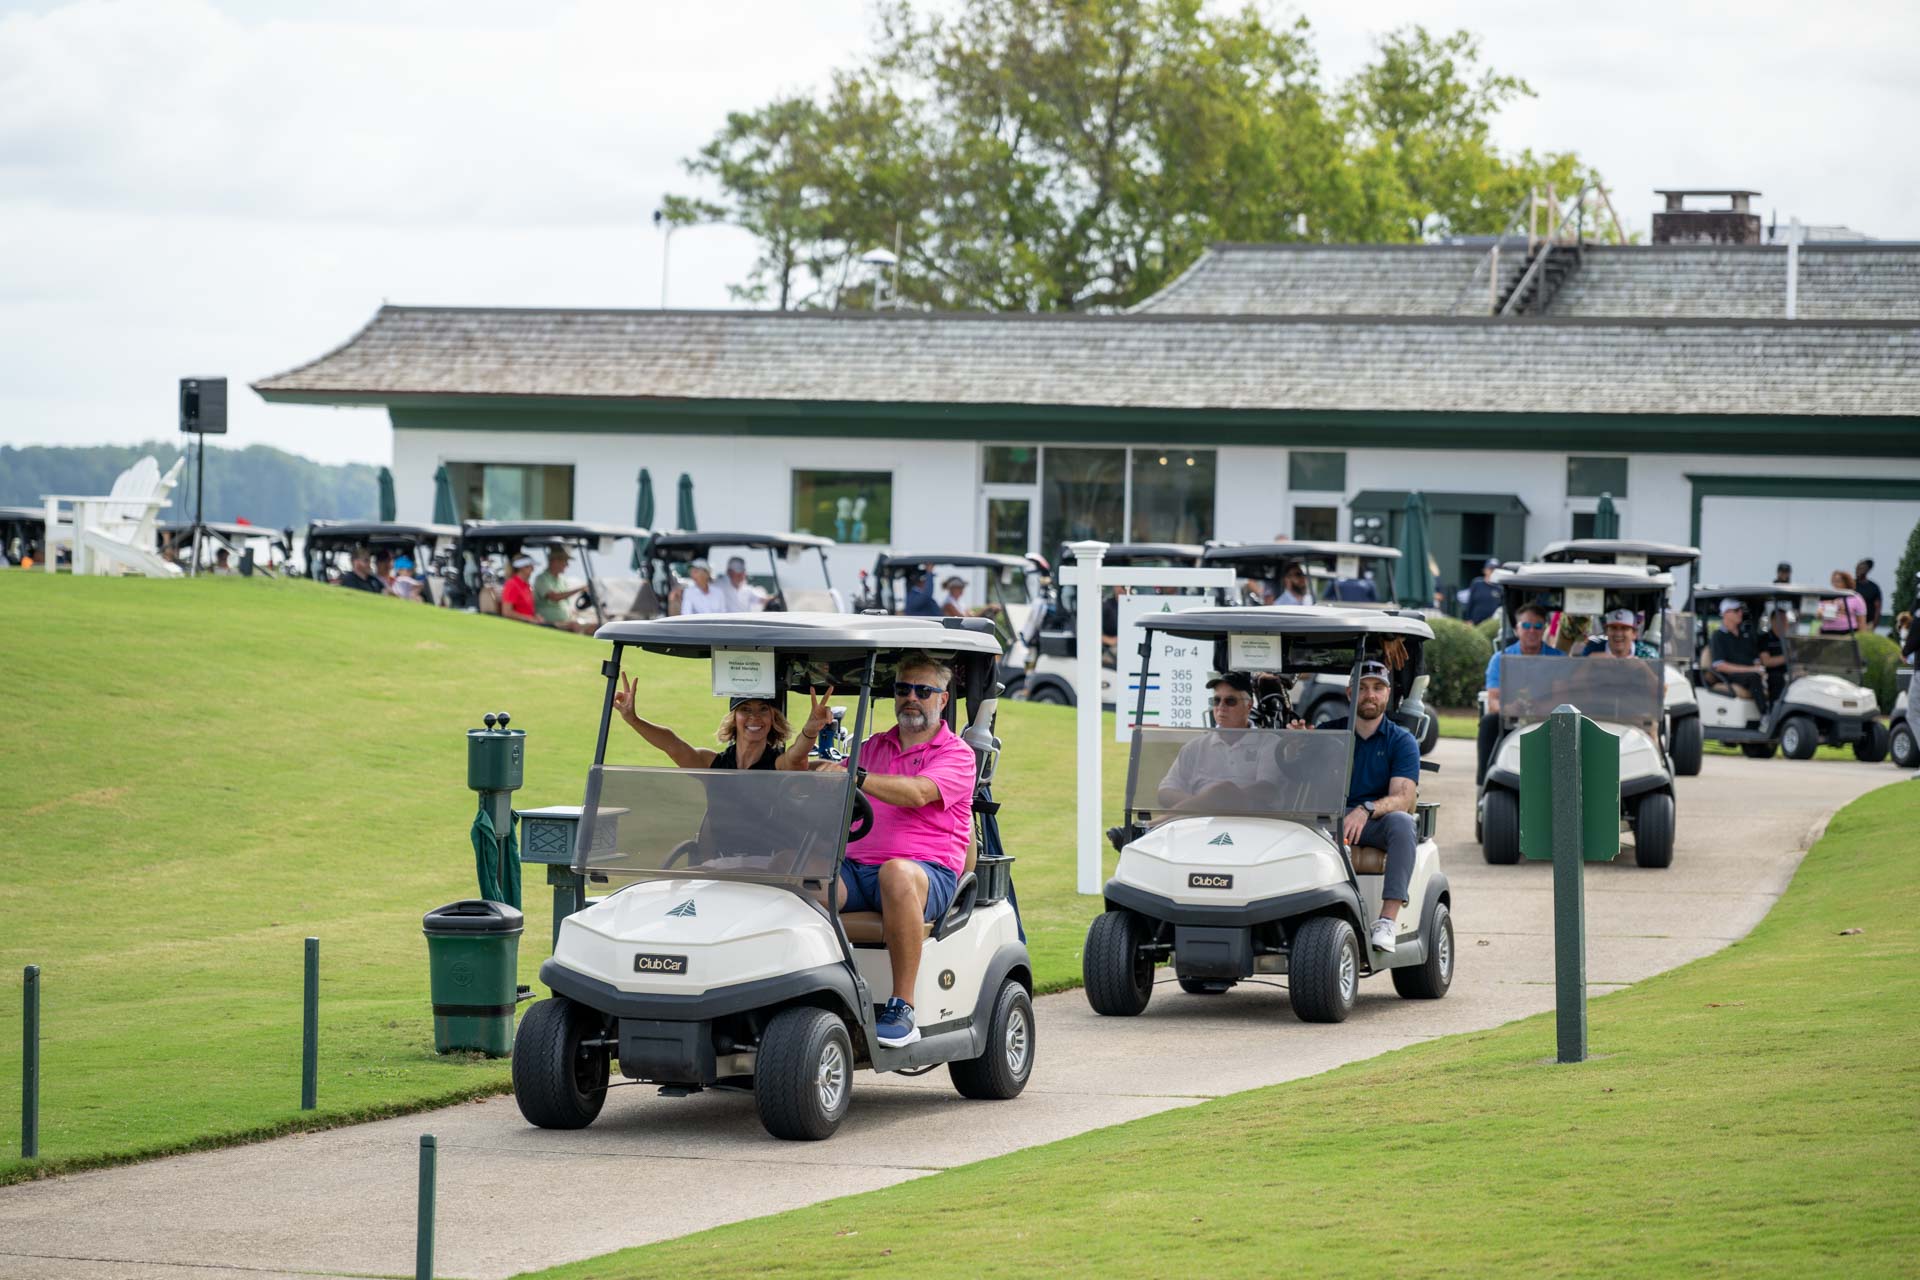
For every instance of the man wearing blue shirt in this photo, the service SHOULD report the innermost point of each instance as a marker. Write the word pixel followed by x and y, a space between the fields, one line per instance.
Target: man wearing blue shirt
pixel 1531 622
pixel 1381 791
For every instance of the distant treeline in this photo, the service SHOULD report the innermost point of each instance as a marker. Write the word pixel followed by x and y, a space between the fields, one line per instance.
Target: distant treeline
pixel 264 485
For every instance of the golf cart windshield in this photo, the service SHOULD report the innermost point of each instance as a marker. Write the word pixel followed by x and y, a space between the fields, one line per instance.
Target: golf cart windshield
pixel 1619 690
pixel 720 824
pixel 1823 656
pixel 1239 772
pixel 1681 640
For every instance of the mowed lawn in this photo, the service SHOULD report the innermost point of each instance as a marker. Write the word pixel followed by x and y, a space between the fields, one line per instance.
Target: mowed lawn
pixel 1752 1113
pixel 198 775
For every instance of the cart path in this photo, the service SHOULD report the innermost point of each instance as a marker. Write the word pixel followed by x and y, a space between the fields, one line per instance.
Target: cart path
pixel 510 1196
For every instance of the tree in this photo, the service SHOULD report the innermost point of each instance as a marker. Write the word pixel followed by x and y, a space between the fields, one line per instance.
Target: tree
pixel 1904 597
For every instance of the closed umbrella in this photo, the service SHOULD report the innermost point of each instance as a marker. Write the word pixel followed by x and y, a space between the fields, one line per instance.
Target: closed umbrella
pixel 1606 520
pixel 642 512
pixel 443 499
pixel 387 507
pixel 685 519
pixel 1413 574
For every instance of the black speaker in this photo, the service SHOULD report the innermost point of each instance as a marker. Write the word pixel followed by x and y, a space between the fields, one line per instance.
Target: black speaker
pixel 203 405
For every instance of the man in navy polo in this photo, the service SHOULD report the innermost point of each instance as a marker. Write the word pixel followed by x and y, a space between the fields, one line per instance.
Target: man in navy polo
pixel 1381 791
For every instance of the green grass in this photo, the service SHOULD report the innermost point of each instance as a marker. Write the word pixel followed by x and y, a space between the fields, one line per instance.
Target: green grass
pixel 1752 1113
pixel 201 774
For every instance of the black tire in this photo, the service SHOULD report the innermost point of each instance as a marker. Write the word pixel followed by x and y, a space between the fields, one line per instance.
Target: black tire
pixel 1118 975
pixel 1430 980
pixel 1798 738
pixel 1323 970
pixel 1758 750
pixel 1500 827
pixel 1325 711
pixel 1903 748
pixel 803 1074
pixel 1206 986
pixel 559 1082
pixel 1653 830
pixel 1002 1071
pixel 1689 745
pixel 1431 738
pixel 1051 694
pixel 1874 746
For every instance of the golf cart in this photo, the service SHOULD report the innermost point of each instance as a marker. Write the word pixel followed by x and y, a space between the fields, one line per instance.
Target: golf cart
pixel 250 548
pixel 330 544
pixel 1825 699
pixel 487 549
pixel 1685 740
pixel 23 530
pixel 669 554
pixel 1250 877
pixel 1903 739
pixel 998 589
pixel 715 962
pixel 1622 694
pixel 1052 638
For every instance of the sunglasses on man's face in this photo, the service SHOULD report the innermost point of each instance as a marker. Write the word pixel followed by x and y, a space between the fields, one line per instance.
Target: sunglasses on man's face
pixel 1533 626
pixel 924 692
pixel 1230 701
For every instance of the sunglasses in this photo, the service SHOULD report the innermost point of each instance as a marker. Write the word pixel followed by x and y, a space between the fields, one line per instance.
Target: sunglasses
pixel 924 692
pixel 1533 626
pixel 1226 702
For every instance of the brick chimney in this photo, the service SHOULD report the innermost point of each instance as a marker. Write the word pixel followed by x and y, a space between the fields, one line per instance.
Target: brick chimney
pixel 1678 224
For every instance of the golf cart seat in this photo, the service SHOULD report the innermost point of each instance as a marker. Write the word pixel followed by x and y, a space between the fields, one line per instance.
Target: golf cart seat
pixel 864 930
pixel 1368 860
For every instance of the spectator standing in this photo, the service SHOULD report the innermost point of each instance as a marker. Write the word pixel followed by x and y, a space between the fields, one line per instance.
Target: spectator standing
pixel 359 574
pixel 1481 599
pixel 702 594
pixel 1849 612
pixel 516 593
pixel 222 562
pixel 1869 592
pixel 551 591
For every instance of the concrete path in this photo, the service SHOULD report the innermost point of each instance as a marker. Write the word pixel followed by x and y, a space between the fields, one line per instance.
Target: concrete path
pixel 514 1198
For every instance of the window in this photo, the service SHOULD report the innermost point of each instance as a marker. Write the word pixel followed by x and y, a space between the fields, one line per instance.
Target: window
pixel 1011 464
pixel 1084 496
pixel 847 506
pixel 1007 525
pixel 1321 472
pixel 1172 495
pixel 1316 524
pixel 511 491
pixel 1591 477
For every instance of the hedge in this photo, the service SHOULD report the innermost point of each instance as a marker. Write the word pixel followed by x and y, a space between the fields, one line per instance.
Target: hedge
pixel 1457 662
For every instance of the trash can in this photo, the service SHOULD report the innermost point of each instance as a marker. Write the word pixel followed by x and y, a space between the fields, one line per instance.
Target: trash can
pixel 473 956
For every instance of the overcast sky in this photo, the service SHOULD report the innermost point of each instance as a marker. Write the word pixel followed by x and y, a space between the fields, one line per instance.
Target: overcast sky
pixel 190 187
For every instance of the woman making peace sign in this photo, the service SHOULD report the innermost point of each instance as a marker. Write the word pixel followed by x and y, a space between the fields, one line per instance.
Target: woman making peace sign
pixel 754 732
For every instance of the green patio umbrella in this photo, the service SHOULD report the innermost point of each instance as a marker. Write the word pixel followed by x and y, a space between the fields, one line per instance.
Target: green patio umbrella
pixel 1606 520
pixel 443 499
pixel 1413 574
pixel 685 519
pixel 642 513
pixel 386 494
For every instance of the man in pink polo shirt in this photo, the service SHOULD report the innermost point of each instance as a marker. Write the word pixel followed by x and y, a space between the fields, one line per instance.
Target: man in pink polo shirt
pixel 919 776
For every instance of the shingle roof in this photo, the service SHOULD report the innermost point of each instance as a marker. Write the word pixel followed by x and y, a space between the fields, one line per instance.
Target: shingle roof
pixel 1837 281
pixel 1148 361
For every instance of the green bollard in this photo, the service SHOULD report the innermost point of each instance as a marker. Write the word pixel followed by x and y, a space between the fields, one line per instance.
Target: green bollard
pixel 30 1067
pixel 423 1232
pixel 1569 888
pixel 310 1031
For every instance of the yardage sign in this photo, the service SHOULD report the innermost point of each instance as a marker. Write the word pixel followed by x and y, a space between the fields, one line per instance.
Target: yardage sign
pixel 1175 673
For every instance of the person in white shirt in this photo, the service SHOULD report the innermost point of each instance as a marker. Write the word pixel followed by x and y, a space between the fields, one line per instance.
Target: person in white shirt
pixel 702 594
pixel 1294 586
pixel 742 596
pixel 1215 769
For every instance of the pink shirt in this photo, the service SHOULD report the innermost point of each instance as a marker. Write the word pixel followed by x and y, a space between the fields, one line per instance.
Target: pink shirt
pixel 936 832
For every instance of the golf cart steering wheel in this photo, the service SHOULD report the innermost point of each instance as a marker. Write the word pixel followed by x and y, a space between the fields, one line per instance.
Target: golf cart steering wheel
pixel 685 849
pixel 583 601
pixel 862 819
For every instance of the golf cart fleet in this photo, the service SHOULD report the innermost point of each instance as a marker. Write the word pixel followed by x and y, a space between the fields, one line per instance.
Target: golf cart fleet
pixel 668 555
pixel 1825 699
pixel 998 589
pixel 716 962
pixel 1248 876
pixel 487 548
pixel 1052 641
pixel 1623 695
pixel 330 544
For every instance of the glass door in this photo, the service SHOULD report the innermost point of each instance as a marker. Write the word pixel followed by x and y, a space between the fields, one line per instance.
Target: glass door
pixel 1009 525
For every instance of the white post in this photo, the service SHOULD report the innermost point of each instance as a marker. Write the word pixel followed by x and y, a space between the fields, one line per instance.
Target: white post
pixel 1086 694
pixel 1793 270
pixel 51 529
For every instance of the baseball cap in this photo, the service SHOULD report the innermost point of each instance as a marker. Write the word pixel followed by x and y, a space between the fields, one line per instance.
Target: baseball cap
pixel 1233 680
pixel 1491 563
pixel 736 562
pixel 523 562
pixel 1625 618
pixel 955 581
pixel 734 704
pixel 700 562
pixel 1375 671
pixel 403 562
pixel 1730 603
pixel 1783 567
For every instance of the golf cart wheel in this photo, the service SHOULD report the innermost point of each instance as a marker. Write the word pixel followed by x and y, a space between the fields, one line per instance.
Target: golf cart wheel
pixel 1873 747
pixel 1205 986
pixel 1500 827
pixel 1323 970
pixel 1326 711
pixel 560 1081
pixel 1903 748
pixel 1001 1072
pixel 1114 967
pixel 1050 694
pixel 1689 745
pixel 1653 830
pixel 803 1074
pixel 1430 980
pixel 1798 738
pixel 1758 750
pixel 1431 738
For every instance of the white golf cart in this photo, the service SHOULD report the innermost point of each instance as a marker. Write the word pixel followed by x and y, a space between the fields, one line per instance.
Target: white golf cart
pixel 716 961
pixel 1824 698
pixel 1686 742
pixel 1622 694
pixel 1051 641
pixel 1248 876
pixel 1903 739
pixel 998 589
pixel 664 567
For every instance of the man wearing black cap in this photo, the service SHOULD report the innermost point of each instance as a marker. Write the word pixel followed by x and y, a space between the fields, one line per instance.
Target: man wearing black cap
pixel 1216 767
pixel 1782 572
pixel 1382 790
pixel 1481 598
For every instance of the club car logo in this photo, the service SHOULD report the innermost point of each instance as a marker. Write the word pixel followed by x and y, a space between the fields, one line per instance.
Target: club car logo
pixel 1222 838
pixel 684 909
pixel 659 964
pixel 1209 880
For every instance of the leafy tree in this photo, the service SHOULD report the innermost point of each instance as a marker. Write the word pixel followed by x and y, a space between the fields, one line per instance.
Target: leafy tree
pixel 1903 590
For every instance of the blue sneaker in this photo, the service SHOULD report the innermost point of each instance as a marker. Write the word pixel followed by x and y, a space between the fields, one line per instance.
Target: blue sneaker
pixel 895 1028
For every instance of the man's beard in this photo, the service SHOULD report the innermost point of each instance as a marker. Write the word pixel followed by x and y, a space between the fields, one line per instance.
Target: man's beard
pixel 913 717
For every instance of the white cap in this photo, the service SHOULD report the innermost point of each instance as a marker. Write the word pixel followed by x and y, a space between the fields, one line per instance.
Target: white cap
pixel 1623 618
pixel 1730 603
pixel 523 562
pixel 700 563
pixel 1375 671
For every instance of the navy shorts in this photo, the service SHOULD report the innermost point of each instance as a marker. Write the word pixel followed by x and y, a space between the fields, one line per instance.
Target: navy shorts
pixel 862 881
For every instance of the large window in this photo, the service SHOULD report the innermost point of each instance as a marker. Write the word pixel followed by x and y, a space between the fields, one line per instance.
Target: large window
pixel 1084 496
pixel 847 506
pixel 1316 524
pixel 511 491
pixel 1317 472
pixel 1591 477
pixel 1172 495
pixel 1142 494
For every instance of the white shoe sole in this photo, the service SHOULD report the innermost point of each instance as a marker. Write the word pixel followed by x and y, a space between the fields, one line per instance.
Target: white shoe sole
pixel 902 1042
pixel 1385 948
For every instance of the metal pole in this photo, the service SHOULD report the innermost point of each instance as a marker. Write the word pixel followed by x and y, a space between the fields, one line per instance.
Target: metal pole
pixel 666 253
pixel 1569 888
pixel 423 1238
pixel 310 1031
pixel 30 1067
pixel 199 501
pixel 1087 557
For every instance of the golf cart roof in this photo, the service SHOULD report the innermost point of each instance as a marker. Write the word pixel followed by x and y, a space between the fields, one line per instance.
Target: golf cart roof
pixel 545 531
pixel 1240 552
pixel 344 532
pixel 1290 620
pixel 1551 577
pixel 696 635
pixel 36 514
pixel 1658 555
pixel 1771 591
pixel 228 530
pixel 699 542
pixel 1123 552
pixel 951 560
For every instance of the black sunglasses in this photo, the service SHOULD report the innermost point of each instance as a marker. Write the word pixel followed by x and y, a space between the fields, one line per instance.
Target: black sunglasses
pixel 924 692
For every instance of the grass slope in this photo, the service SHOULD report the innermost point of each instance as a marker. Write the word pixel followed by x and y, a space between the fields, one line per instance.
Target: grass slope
pixel 200 774
pixel 1753 1112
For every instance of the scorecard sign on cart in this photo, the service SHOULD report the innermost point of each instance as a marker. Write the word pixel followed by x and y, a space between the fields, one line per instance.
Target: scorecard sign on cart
pixel 1175 671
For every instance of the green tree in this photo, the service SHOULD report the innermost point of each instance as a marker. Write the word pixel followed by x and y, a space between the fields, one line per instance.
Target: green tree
pixel 1903 577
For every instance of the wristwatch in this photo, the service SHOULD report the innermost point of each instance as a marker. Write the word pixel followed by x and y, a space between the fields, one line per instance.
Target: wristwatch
pixel 1368 806
pixel 859 779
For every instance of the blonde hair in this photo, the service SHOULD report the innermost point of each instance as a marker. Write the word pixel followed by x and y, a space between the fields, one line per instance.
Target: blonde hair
pixel 776 736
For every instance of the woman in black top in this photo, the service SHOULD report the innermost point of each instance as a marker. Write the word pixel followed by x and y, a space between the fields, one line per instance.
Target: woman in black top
pixel 754 732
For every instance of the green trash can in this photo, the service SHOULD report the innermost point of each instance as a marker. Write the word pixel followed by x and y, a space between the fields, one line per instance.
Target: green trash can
pixel 473 959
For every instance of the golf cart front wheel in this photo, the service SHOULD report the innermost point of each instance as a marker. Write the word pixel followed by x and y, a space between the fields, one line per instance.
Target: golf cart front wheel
pixel 560 1081
pixel 803 1074
pixel 1115 967
pixel 1002 1071
pixel 1052 695
pixel 1430 979
pixel 1689 745
pixel 1323 970
pixel 1798 738
pixel 1500 827
pixel 1206 986
pixel 1873 746
pixel 1431 738
pixel 1903 748
pixel 1653 830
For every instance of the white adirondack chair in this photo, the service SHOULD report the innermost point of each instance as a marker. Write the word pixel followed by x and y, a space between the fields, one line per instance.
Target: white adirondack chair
pixel 114 533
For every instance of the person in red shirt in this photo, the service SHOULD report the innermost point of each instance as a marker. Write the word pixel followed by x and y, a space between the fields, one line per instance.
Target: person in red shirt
pixel 516 593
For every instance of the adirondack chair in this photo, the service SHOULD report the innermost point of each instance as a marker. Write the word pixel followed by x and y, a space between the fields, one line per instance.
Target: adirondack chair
pixel 114 533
